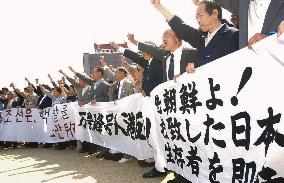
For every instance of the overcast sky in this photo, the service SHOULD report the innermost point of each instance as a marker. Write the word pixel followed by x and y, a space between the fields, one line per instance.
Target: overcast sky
pixel 38 37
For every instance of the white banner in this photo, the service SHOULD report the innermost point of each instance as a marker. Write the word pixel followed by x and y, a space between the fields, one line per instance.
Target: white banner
pixel 224 123
pixel 51 125
pixel 122 126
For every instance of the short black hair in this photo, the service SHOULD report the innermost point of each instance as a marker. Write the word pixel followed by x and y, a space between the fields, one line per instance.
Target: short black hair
pixel 122 69
pixel 210 6
pixel 46 87
pixel 100 70
pixel 5 89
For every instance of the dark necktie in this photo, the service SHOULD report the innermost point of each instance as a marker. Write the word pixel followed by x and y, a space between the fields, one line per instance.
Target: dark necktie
pixel 116 91
pixel 171 69
pixel 146 71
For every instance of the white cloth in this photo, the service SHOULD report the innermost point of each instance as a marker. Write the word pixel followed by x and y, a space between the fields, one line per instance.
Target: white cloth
pixel 84 90
pixel 98 82
pixel 256 15
pixel 210 36
pixel 150 61
pixel 177 56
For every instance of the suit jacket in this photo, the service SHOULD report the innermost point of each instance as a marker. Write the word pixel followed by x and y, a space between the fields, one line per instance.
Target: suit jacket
pixel 100 92
pixel 88 95
pixel 31 101
pixel 108 74
pixel 21 102
pixel 126 90
pixel 152 75
pixel 225 41
pixel 44 102
pixel 188 56
pixel 274 16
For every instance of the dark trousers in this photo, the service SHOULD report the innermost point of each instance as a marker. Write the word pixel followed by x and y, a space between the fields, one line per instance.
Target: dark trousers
pixel 92 148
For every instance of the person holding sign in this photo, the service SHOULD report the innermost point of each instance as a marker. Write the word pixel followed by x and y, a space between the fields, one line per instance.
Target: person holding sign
pixel 213 40
pixel 173 56
pixel 99 92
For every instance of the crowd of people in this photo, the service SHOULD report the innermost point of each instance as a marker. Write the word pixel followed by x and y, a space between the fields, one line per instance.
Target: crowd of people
pixel 155 64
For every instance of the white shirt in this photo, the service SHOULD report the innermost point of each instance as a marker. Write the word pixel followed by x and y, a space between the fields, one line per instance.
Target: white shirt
pixel 256 15
pixel 42 99
pixel 130 78
pixel 177 56
pixel 210 36
pixel 84 90
pixel 121 49
pixel 150 61
pixel 98 83
pixel 120 86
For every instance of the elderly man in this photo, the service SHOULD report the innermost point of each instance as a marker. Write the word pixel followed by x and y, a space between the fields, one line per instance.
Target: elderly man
pixel 174 57
pixel 122 87
pixel 31 99
pixel 213 40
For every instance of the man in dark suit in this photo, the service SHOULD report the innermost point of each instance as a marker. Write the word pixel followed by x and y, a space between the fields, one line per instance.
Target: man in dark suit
pixel 173 56
pixel 174 59
pixel 213 40
pixel 152 75
pixel 272 18
pixel 43 101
